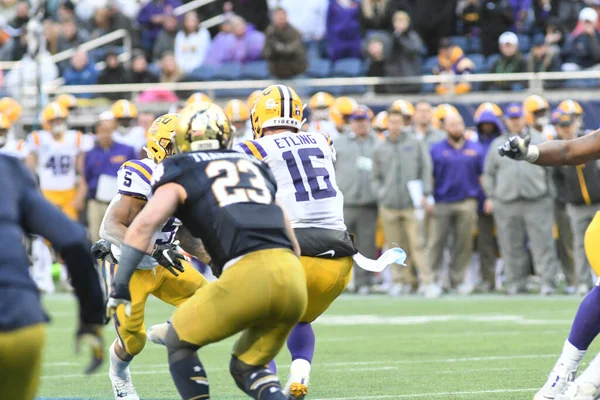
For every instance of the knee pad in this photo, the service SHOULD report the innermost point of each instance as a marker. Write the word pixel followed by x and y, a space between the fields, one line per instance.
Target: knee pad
pixel 258 382
pixel 178 349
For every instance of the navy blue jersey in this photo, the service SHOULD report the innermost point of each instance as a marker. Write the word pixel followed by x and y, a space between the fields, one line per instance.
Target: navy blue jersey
pixel 230 202
pixel 23 210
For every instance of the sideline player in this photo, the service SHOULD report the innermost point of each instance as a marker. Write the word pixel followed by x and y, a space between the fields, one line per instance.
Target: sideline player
pixel 166 284
pixel 586 325
pixel 227 199
pixel 302 163
pixel 23 211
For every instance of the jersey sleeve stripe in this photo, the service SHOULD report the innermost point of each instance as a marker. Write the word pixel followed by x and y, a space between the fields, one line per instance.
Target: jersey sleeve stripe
pixel 260 149
pixel 145 176
pixel 253 150
pixel 140 164
pixel 244 147
pixel 133 194
pixel 36 138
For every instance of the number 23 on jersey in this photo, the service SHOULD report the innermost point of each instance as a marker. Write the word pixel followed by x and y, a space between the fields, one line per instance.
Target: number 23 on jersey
pixel 226 187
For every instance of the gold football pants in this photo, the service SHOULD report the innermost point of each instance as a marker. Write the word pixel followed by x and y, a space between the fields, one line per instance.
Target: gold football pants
pixel 592 243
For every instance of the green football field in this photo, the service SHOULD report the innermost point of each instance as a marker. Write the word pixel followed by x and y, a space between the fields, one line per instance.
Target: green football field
pixel 481 347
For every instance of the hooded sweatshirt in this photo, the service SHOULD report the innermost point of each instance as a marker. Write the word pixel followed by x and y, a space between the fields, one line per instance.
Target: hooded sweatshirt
pixel 485 141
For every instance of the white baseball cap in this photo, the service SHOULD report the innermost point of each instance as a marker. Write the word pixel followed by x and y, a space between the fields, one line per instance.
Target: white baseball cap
pixel 509 38
pixel 588 14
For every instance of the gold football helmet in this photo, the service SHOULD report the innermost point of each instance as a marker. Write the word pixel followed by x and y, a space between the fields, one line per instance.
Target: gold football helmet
pixel 321 100
pixel 202 126
pixel 488 106
pixel 277 106
pixel 198 97
pixel 10 108
pixel 54 118
pixel 161 135
pixel 380 122
pixel 571 107
pixel 536 110
pixel 237 111
pixel 124 109
pixel 67 101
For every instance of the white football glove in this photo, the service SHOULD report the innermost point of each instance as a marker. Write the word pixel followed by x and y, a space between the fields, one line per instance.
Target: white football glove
pixel 519 149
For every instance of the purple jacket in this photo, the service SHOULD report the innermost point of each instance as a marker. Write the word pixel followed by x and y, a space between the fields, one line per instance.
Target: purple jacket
pixel 152 8
pixel 226 47
pixel 343 31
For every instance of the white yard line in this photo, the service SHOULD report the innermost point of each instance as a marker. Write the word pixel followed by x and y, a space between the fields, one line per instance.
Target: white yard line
pixel 439 394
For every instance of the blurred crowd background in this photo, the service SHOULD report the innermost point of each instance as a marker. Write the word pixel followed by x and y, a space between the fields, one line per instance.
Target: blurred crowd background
pixel 418 166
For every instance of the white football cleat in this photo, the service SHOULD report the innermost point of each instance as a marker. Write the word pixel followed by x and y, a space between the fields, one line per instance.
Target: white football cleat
pixel 296 387
pixel 157 333
pixel 123 385
pixel 557 381
pixel 580 391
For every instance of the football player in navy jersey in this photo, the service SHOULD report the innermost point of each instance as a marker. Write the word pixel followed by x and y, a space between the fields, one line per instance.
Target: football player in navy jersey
pixel 226 199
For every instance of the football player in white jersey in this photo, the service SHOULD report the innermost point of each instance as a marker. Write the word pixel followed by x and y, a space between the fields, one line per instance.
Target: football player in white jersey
pixel 302 163
pixel 56 155
pixel 173 284
pixel 239 115
pixel 320 115
pixel 126 113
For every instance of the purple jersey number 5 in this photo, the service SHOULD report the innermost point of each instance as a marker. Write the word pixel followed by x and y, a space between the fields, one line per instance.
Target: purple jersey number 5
pixel 311 174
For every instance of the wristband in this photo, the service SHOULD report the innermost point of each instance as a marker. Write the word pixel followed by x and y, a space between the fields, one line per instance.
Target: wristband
pixel 533 152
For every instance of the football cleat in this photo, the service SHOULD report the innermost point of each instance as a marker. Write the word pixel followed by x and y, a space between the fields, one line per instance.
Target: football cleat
pixel 157 333
pixel 580 391
pixel 296 387
pixel 559 377
pixel 123 386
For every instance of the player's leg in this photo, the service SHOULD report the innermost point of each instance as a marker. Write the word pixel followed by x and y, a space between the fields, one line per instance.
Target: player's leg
pixel 131 332
pixel 326 279
pixel 21 361
pixel 585 326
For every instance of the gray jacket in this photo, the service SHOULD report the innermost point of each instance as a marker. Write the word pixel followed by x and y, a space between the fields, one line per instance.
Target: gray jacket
pixel 353 168
pixel 508 180
pixel 395 162
pixel 432 136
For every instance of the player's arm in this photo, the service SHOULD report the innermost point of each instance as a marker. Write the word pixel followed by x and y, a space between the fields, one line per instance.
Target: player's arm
pixel 138 239
pixel 192 245
pixel 120 216
pixel 555 152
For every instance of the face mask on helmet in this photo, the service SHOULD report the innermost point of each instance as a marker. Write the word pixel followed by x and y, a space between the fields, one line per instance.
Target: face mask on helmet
pixel 58 126
pixel 542 121
pixel 123 124
pixel 320 114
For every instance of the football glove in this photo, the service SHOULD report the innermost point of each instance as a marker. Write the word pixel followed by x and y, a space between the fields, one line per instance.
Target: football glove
pixel 91 335
pixel 519 149
pixel 101 250
pixel 167 256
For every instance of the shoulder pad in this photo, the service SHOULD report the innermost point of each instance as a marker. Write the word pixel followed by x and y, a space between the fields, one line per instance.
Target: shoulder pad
pixel 134 179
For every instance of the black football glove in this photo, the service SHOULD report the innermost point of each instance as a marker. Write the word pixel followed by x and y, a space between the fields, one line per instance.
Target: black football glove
pixel 167 256
pixel 91 335
pixel 100 249
pixel 519 149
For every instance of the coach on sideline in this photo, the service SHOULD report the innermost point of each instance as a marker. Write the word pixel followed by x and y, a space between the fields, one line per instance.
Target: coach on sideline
pixel 100 166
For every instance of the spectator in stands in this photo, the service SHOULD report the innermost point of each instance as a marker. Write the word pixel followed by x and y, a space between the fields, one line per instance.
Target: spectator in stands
pixel 405 57
pixel 583 51
pixel 66 11
pixel 433 20
pixel 457 168
pixel 579 188
pixel 113 74
pixel 377 59
pixel 343 29
pixel 555 35
pixel 541 59
pixel 353 167
pixel 452 61
pixel 169 71
pixel 568 13
pixel 308 16
pixel 243 44
pixel 489 127
pixel 520 10
pixel 165 40
pixel 21 15
pixel 255 12
pixel 522 210
pixel 511 60
pixel 7 9
pixel 100 167
pixel 110 19
pixel 423 125
pixel 139 69
pixel 51 32
pixel 399 159
pixel 151 18
pixel 284 49
pixel 81 71
pixel 70 36
pixel 191 43
pixel 543 11
pixel 469 16
pixel 496 17
pixel 376 15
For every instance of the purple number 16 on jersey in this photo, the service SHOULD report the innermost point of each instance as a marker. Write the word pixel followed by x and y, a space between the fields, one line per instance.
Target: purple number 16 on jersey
pixel 311 174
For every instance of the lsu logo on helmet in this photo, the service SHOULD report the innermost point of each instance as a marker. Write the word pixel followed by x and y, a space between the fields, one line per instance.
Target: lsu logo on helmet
pixel 277 106
pixel 161 135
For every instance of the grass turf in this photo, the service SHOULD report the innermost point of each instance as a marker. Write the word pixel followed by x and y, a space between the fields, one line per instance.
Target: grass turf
pixel 481 347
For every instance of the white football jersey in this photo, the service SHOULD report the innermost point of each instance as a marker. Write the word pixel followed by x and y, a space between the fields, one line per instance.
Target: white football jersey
pixel 134 178
pixel 135 137
pixel 15 147
pixel 302 164
pixel 57 158
pixel 327 127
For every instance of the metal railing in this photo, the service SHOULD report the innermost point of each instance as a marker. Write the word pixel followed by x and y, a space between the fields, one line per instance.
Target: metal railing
pixel 87 46
pixel 192 5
